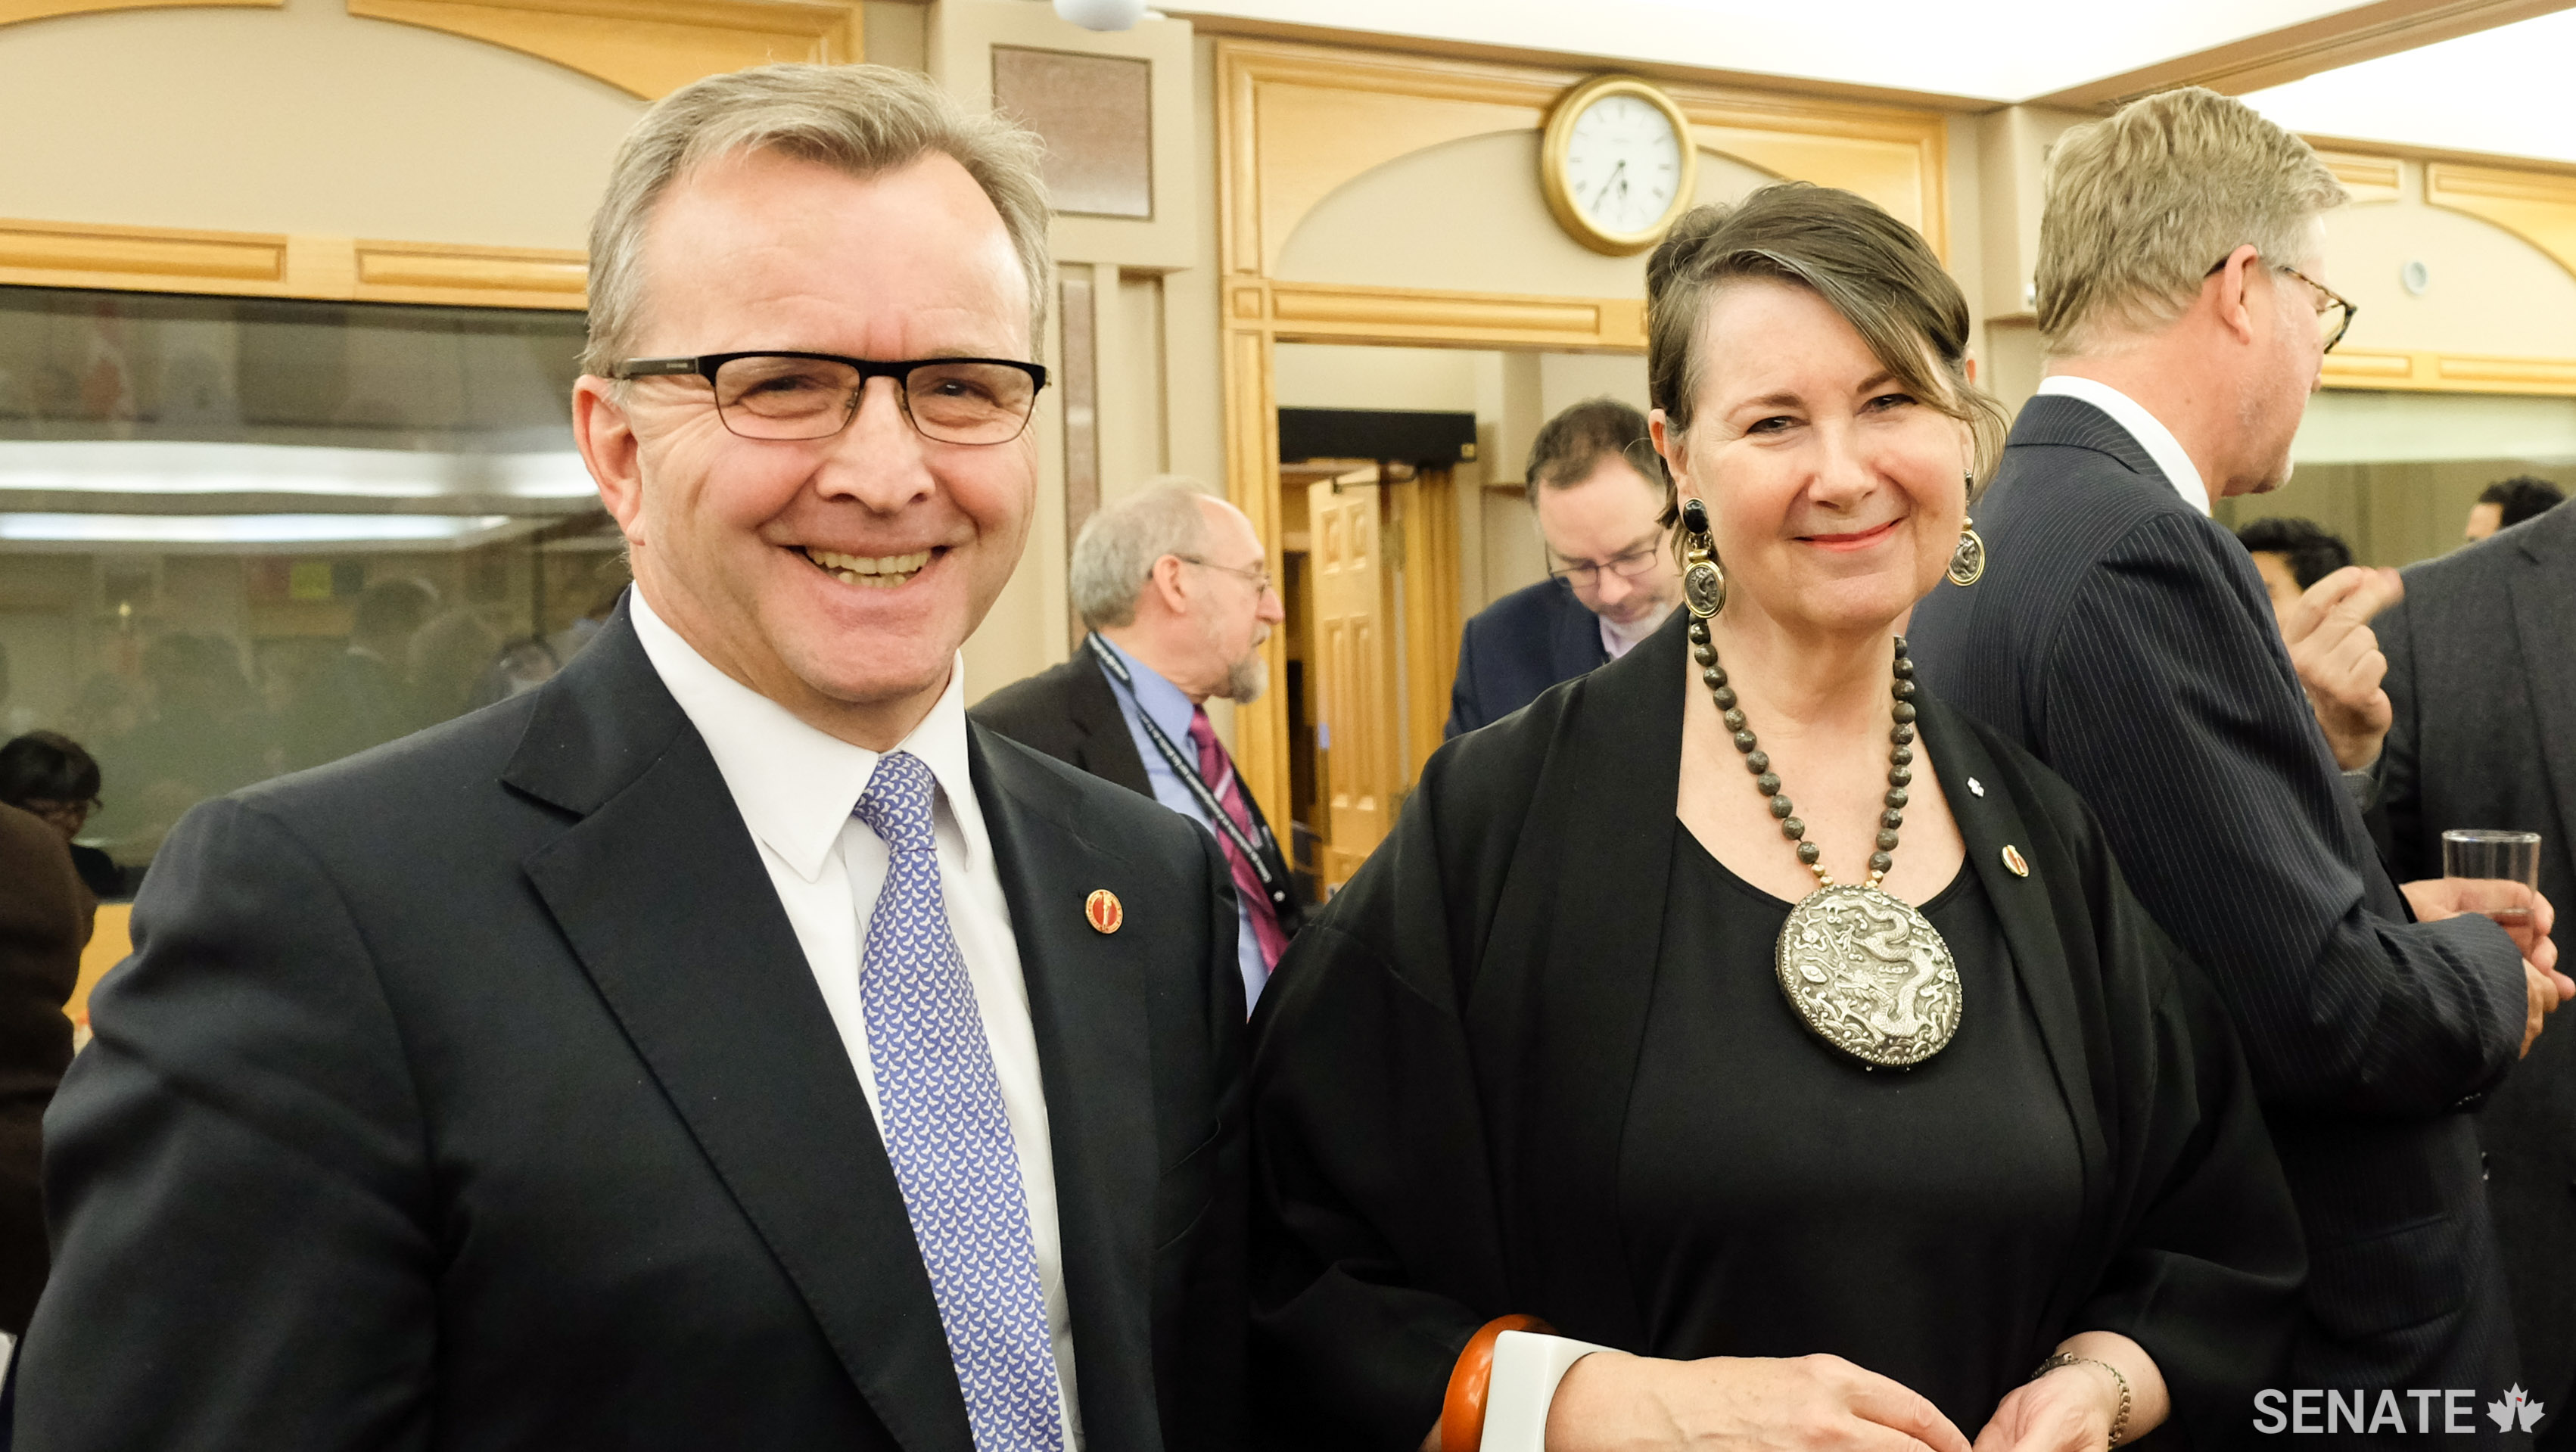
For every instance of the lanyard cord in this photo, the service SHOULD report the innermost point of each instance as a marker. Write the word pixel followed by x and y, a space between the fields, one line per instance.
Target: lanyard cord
pixel 1189 774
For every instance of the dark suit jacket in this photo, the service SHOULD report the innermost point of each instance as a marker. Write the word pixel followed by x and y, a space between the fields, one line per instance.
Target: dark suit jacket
pixel 1519 646
pixel 475 1093
pixel 2126 640
pixel 44 923
pixel 2485 736
pixel 1070 712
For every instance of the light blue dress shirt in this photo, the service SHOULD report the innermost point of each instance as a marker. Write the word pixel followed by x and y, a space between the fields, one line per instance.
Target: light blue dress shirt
pixel 1171 710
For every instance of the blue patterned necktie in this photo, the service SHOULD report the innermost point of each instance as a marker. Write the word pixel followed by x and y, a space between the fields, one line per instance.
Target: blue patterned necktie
pixel 945 1130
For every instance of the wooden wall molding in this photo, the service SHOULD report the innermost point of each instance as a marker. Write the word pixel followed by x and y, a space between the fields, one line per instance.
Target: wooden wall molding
pixel 2277 57
pixel 2426 372
pixel 2368 178
pixel 1311 312
pixel 13 12
pixel 647 48
pixel 1297 122
pixel 2539 207
pixel 256 264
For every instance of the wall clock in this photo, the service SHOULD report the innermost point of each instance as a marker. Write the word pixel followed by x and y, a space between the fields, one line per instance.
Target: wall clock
pixel 1617 164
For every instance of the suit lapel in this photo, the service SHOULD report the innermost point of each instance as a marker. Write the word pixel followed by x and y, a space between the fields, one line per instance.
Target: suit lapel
pixel 1108 748
pixel 1087 1003
pixel 1576 639
pixel 2544 617
pixel 660 891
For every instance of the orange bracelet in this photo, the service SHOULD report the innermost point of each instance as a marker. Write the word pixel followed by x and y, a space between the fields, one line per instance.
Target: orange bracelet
pixel 1462 1413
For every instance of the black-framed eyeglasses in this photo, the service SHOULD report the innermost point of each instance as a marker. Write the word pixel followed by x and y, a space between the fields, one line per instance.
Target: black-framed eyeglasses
pixel 783 396
pixel 1258 576
pixel 1631 565
pixel 2334 310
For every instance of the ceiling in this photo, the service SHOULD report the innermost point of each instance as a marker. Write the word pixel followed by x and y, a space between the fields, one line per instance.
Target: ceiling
pixel 2425 72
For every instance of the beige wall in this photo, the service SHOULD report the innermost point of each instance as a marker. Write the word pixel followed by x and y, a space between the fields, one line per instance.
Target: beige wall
pixel 301 120
pixel 1469 215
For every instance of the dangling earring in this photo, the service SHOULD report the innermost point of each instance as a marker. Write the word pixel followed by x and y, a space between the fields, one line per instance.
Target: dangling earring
pixel 1703 579
pixel 1968 561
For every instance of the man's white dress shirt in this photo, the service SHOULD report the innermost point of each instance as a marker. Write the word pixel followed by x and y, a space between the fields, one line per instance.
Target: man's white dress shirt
pixel 2152 436
pixel 1619 640
pixel 796 788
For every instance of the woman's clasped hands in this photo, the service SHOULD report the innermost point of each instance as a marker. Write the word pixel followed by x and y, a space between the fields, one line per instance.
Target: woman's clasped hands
pixel 1614 1402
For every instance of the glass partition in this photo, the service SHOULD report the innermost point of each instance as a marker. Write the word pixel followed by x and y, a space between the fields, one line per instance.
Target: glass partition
pixel 240 537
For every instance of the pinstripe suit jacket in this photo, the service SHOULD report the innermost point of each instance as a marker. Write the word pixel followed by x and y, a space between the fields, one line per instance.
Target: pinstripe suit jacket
pixel 2126 640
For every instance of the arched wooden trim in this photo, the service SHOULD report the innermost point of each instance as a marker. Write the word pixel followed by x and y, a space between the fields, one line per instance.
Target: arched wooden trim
pixel 647 48
pixel 2538 207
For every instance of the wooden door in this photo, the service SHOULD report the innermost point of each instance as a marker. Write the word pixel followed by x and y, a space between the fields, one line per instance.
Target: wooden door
pixel 1359 736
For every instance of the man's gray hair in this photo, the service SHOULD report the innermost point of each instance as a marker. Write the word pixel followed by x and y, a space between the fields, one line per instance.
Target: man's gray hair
pixel 861 120
pixel 1116 552
pixel 2137 208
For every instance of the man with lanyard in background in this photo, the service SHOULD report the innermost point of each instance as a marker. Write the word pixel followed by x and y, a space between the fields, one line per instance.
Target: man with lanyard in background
pixel 1176 590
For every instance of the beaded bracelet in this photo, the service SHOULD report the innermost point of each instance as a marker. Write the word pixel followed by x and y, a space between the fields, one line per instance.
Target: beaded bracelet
pixel 1462 1412
pixel 2120 1420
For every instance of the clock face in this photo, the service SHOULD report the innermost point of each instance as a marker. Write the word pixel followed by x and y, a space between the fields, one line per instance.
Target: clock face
pixel 1623 163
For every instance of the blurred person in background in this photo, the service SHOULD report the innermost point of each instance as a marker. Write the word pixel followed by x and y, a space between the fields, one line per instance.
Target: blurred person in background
pixel 49 775
pixel 203 735
pixel 450 661
pixel 2484 736
pixel 44 924
pixel 2324 604
pixel 363 697
pixel 2508 502
pixel 1594 493
pixel 2291 555
pixel 2124 637
pixel 1176 589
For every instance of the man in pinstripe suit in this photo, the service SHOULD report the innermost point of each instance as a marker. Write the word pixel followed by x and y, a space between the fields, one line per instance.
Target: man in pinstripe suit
pixel 2123 636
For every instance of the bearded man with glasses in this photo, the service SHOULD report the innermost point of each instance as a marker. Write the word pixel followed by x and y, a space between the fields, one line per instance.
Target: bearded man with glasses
pixel 1612 576
pixel 2122 635
pixel 728 1043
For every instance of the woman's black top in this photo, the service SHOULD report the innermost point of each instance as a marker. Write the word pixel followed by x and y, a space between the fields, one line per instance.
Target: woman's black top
pixel 1779 1197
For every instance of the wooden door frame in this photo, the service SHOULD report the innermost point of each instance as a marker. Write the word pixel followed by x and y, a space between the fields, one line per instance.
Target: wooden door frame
pixel 1267 181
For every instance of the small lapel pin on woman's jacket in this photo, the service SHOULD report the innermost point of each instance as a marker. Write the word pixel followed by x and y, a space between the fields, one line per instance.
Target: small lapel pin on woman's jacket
pixel 1103 910
pixel 2012 859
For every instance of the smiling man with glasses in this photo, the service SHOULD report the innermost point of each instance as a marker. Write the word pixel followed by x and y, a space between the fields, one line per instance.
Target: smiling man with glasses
pixel 728 1043
pixel 1611 579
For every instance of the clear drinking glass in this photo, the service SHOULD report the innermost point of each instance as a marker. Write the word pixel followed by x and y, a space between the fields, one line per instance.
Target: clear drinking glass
pixel 2478 855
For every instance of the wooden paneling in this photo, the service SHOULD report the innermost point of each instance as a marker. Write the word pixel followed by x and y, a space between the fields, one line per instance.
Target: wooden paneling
pixel 14 11
pixel 1353 668
pixel 1425 514
pixel 2539 207
pixel 647 48
pixel 49 254
pixel 333 269
pixel 2368 178
pixel 2450 373
pixel 1297 122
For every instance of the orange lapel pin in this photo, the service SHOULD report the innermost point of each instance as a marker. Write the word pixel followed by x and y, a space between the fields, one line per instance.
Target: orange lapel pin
pixel 2013 860
pixel 1103 911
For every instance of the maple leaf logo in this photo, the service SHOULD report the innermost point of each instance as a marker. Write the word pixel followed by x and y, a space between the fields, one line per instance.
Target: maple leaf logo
pixel 2514 1406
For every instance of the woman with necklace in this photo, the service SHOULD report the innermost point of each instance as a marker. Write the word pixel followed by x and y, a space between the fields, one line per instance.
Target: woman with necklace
pixel 1741 1012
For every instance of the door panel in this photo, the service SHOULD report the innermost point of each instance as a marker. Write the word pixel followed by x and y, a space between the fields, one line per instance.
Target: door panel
pixel 1359 743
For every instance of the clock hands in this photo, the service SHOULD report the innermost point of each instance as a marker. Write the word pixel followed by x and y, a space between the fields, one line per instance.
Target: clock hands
pixel 1619 178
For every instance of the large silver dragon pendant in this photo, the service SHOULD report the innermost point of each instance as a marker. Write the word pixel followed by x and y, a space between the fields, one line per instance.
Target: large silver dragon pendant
pixel 1870 975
